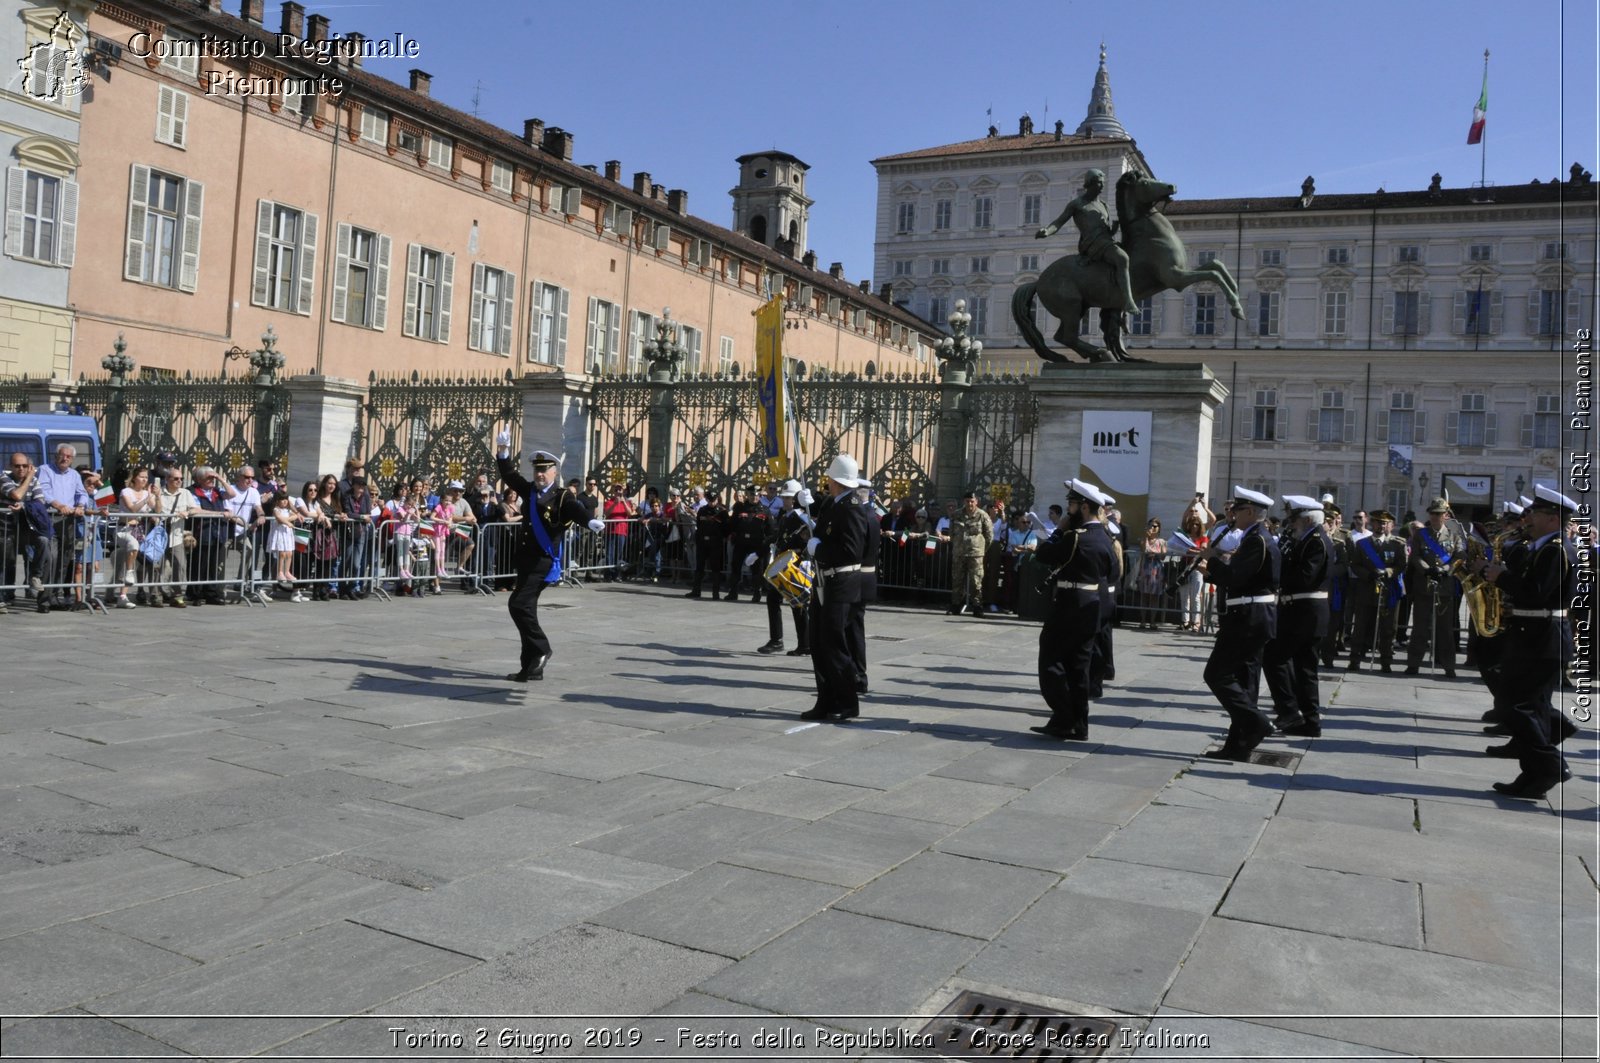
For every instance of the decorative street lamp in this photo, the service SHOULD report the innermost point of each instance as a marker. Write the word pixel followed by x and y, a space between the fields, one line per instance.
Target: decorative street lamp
pixel 664 353
pixel 958 353
pixel 266 361
pixel 118 363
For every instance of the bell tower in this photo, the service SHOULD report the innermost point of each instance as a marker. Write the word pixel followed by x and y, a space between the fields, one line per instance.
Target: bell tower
pixel 770 205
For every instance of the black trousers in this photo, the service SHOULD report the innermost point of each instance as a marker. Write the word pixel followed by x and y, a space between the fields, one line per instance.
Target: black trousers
pixel 831 662
pixel 1233 674
pixel 708 558
pixel 1290 665
pixel 737 569
pixel 775 606
pixel 1066 650
pixel 1531 672
pixel 856 637
pixel 523 605
pixel 1372 620
pixel 1434 622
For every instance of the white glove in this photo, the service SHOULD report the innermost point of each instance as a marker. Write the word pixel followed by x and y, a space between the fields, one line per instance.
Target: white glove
pixel 811 547
pixel 750 560
pixel 1033 519
pixel 503 439
pixel 597 525
pixel 804 497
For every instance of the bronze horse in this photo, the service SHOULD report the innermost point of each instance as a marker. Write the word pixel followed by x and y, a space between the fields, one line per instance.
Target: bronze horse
pixel 1157 262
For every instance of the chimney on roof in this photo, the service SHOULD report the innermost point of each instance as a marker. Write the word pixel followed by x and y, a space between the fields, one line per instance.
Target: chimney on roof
pixel 558 142
pixel 592 168
pixel 836 271
pixel 533 132
pixel 658 193
pixel 614 171
pixel 354 44
pixel 677 201
pixel 294 20
pixel 886 293
pixel 641 183
pixel 865 287
pixel 211 5
pixel 421 82
pixel 317 29
pixel 251 11
pixel 809 260
pixel 1025 126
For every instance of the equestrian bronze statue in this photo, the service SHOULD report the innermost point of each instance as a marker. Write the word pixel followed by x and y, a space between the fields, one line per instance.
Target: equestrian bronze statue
pixel 1112 276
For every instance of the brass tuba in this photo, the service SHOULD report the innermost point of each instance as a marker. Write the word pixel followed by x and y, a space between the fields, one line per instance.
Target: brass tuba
pixel 1485 606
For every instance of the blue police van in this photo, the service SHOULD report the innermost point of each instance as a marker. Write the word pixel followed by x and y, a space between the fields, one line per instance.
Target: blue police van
pixel 38 434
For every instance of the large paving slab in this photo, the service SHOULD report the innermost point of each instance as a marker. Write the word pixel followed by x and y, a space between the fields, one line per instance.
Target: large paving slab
pixel 367 823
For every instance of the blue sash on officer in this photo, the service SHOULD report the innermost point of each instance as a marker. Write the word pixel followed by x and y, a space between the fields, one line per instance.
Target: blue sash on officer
pixel 1393 589
pixel 542 536
pixel 1434 548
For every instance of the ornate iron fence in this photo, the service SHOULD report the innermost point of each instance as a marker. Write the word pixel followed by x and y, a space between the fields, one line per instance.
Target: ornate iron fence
pixel 13 394
pixel 1003 417
pixel 440 429
pixel 207 420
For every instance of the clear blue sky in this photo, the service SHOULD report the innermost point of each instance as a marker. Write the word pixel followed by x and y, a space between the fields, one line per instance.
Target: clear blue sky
pixel 1236 98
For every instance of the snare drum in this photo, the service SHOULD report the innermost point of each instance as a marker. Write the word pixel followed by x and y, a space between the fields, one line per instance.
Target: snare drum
pixel 791 576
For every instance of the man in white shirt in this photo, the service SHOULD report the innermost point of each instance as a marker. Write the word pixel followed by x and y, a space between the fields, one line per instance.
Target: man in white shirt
pixel 245 505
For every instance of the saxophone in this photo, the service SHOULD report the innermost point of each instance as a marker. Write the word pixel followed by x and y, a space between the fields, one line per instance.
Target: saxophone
pixel 1485 605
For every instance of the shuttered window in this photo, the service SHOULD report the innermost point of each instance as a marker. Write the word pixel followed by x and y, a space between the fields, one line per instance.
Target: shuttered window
pixel 285 258
pixel 163 238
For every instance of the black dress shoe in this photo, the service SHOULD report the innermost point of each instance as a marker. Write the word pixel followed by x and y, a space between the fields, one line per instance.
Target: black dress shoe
pixel 526 676
pixel 840 717
pixel 1449 673
pixel 1499 730
pixel 1529 787
pixel 1506 751
pixel 1284 723
pixel 1304 729
pixel 1226 752
pixel 771 647
pixel 818 713
pixel 1047 732
pixel 861 685
pixel 1386 670
pixel 1411 669
pixel 1353 666
pixel 695 594
pixel 799 651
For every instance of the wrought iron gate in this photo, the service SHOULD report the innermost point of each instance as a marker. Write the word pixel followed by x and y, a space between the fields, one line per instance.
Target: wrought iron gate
pixel 440 429
pixel 208 420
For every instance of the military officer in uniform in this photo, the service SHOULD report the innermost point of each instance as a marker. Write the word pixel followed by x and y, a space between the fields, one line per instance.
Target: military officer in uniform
pixel 790 531
pixel 1377 581
pixel 971 532
pixel 869 587
pixel 748 526
pixel 1491 651
pixel 547 514
pixel 1080 553
pixel 1539 584
pixel 844 527
pixel 1338 582
pixel 1247 583
pixel 710 539
pixel 1103 668
pixel 1291 658
pixel 1435 618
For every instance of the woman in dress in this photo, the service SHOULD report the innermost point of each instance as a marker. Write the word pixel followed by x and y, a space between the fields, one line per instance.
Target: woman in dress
pixel 128 564
pixel 1152 575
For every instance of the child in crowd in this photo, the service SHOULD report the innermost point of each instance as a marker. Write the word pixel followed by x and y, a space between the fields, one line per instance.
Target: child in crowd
pixel 280 543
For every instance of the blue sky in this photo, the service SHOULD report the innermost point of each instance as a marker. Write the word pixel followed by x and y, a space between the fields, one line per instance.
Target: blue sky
pixel 1236 98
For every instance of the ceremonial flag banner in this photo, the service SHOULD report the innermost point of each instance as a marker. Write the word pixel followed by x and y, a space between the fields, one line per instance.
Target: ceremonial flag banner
pixel 302 540
pixel 1480 111
pixel 771 399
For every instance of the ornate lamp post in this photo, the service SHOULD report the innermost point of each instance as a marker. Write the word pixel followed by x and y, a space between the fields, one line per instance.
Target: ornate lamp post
pixel 120 366
pixel 118 363
pixel 664 353
pixel 958 352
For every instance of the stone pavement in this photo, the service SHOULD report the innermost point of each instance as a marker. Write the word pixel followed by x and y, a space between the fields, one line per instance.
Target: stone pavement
pixel 225 832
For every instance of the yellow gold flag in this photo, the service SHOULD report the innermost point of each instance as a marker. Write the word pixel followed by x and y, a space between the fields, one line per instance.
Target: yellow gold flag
pixel 770 386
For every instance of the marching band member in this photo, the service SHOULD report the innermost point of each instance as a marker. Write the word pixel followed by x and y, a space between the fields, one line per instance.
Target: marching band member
pixel 840 545
pixel 549 512
pixel 1491 651
pixel 1083 558
pixel 857 639
pixel 1539 584
pixel 1247 579
pixel 1104 665
pixel 790 531
pixel 1291 657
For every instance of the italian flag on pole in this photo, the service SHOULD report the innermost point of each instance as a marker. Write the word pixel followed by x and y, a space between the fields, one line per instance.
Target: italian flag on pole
pixel 1479 111
pixel 302 540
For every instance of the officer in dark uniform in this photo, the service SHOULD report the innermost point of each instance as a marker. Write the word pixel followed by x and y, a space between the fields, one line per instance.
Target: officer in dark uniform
pixel 1103 668
pixel 1338 581
pixel 710 537
pixel 869 587
pixel 1539 584
pixel 547 514
pixel 844 527
pixel 1081 554
pixel 791 531
pixel 1246 576
pixel 1291 658
pixel 1511 540
pixel 748 529
pixel 1377 583
pixel 1435 613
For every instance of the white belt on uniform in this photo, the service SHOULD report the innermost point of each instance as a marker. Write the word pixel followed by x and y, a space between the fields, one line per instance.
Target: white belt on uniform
pixel 1546 614
pixel 1307 596
pixel 1068 585
pixel 1260 599
pixel 841 569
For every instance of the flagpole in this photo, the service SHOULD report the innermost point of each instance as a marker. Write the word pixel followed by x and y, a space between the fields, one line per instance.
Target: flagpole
pixel 1483 140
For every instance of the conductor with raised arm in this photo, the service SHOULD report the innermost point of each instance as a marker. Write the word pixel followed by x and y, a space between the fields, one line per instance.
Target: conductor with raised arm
pixel 549 512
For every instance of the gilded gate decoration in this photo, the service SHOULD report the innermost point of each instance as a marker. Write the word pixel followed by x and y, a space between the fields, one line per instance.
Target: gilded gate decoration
pixel 1004 416
pixel 440 429
pixel 619 412
pixel 206 420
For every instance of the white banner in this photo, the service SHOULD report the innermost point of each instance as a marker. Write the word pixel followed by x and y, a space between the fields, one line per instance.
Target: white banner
pixel 1116 450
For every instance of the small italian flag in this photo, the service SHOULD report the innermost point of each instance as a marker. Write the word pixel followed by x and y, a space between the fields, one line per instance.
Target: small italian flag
pixel 1479 111
pixel 425 528
pixel 302 540
pixel 460 532
pixel 103 497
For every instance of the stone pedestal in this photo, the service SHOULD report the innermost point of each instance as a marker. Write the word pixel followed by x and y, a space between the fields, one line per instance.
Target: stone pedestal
pixel 1182 400
pixel 48 395
pixel 554 417
pixel 322 415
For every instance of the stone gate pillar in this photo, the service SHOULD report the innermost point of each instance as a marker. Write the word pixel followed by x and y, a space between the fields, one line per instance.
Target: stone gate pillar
pixel 658 440
pixel 555 416
pixel 1182 401
pixel 323 412
pixel 954 438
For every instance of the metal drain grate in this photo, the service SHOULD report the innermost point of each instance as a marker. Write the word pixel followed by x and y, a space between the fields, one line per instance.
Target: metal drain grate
pixel 1273 759
pixel 980 1026
pixel 886 638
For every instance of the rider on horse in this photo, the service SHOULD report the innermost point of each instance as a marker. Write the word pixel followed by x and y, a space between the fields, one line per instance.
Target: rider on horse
pixel 1096 233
